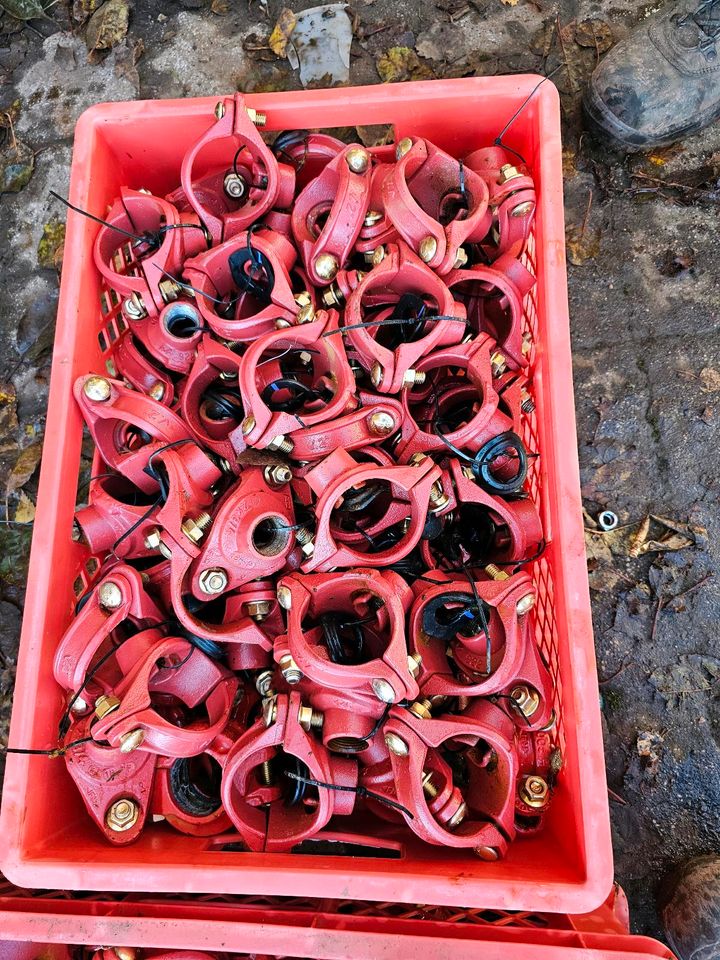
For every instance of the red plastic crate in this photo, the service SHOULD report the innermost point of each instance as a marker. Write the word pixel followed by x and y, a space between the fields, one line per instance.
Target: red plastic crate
pixel 47 838
pixel 272 927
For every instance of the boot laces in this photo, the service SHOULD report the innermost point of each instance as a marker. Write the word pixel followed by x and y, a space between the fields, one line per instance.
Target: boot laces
pixel 707 19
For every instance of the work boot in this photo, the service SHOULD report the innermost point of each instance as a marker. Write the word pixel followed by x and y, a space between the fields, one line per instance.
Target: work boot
pixel 690 910
pixel 662 83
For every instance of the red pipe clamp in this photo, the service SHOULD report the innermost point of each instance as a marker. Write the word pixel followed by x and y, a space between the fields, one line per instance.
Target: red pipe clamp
pixel 512 200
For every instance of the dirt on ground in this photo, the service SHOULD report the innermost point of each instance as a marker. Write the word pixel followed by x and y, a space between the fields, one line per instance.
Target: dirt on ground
pixel 644 273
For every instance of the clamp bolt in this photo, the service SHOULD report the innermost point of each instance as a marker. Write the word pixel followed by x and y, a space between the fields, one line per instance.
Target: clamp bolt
pixel 97 389
pixel 527 404
pixel 403 147
pixel 277 474
pixel 498 364
pixel 438 498
pixel 412 377
pixel 428 786
pixel 326 266
pixel 525 604
pixel 525 700
pixel 414 663
pixel 534 791
pixel 305 538
pixel 457 818
pixel 169 290
pixel 489 854
pixel 305 314
pixel 284 596
pixel 157 391
pixel 357 159
pixel 523 209
pixel 248 425
pixel 427 249
pixel 263 682
pixel 381 424
pixel 332 296
pixel 213 580
pixel 383 690
pixel 194 529
pixel 281 444
pixel 461 258
pixel 258 610
pixel 133 307
pixel 310 719
pixel 219 110
pixel 131 741
pixel 372 217
pixel 508 172
pixel 259 119
pixel 106 703
pixel 122 815
pixel 422 709
pixel 290 670
pixel 109 595
pixel 495 573
pixel 234 186
pixel 396 744
pixel 269 711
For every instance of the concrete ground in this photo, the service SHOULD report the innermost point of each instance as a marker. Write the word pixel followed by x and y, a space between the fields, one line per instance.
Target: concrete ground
pixel 644 281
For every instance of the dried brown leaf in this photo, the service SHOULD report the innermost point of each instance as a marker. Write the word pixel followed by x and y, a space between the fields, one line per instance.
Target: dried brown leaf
pixel 220 7
pixel 710 379
pixel 25 510
pixel 402 63
pixel 582 244
pixel 24 467
pixel 594 33
pixel 107 26
pixel 280 35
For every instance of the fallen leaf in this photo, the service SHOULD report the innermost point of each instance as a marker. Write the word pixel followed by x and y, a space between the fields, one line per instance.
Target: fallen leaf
pixel 402 63
pixel 107 26
pixel 8 410
pixel 710 379
pixel 542 40
pixel 691 673
pixel 49 251
pixel 220 7
pixel 280 35
pixel 568 163
pixel 82 9
pixel 376 135
pixel 662 534
pixel 25 510
pixel 594 33
pixel 25 466
pixel 24 9
pixel 17 162
pixel 509 3
pixel 582 244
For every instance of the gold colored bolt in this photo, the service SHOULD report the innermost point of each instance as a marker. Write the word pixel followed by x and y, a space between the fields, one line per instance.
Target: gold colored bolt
pixel 305 314
pixel 508 172
pixel 219 110
pixel 525 604
pixel 131 740
pixel 428 786
pixel 412 377
pixel 109 595
pixel 310 719
pixel 523 209
pixel 489 854
pixel 381 424
pixel 332 296
pixel 281 444
pixel 303 298
pixel 427 249
pixel 525 700
pixel 527 404
pixel 106 703
pixel 284 596
pixel 234 186
pixel 122 815
pixel 357 159
pixel 277 474
pixel 248 425
pixel 403 147
pixel 134 307
pixel 438 498
pixel 372 217
pixel 305 538
pixel 269 711
pixel 534 791
pixel 290 670
pixel 498 364
pixel 417 458
pixel 495 573
pixel 194 529
pixel 376 256
pixel 125 953
pixel 414 663
pixel 266 775
pixel 213 580
pixel 457 818
pixel 157 391
pixel 396 745
pixel 527 342
pixel 282 324
pixel 259 119
pixel 461 258
pixel 422 709
pixel 326 266
pixel 258 610
pixel 383 690
pixel 376 374
pixel 169 289
pixel 263 682
pixel 97 389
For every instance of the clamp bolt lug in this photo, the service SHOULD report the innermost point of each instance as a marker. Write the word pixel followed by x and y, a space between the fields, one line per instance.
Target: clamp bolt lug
pixel 97 389
pixel 122 815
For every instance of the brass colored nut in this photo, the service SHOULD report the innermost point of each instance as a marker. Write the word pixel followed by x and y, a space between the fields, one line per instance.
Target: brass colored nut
pixel 213 580
pixel 381 424
pixel 263 682
pixel 131 740
pixel 495 573
pixel 122 815
pixel 258 610
pixel 403 147
pixel 412 377
pixel 157 391
pixel 277 474
pixel 414 663
pixel 377 256
pixel 259 119
pixel 326 266
pixel 427 249
pixel 438 498
pixel 284 596
pixel 194 529
pixel 290 670
pixel 498 364
pixel 396 744
pixel 310 719
pixel 525 604
pixel 109 595
pixel 306 314
pixel 281 444
pixel 372 217
pixel 422 709
pixel 525 700
pixel 303 298
pixel 534 791
pixel 383 690
pixel 169 289
pixel 417 458
pixel 461 258
pixel 248 425
pixel 508 172
pixel 332 296
pixel 97 389
pixel 269 711
pixel 527 343
pixel 357 159
pixel 106 703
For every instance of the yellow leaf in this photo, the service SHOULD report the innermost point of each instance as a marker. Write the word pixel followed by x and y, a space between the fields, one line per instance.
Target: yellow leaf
pixel 509 3
pixel 25 466
pixel 25 510
pixel 280 36
pixel 402 63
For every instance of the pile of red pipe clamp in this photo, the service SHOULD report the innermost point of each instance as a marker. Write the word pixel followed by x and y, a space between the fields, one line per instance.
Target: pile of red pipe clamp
pixel 311 510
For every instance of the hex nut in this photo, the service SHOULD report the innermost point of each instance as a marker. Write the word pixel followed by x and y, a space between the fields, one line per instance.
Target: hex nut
pixel 122 815
pixel 525 700
pixel 213 580
pixel 258 609
pixel 534 791
pixel 106 703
